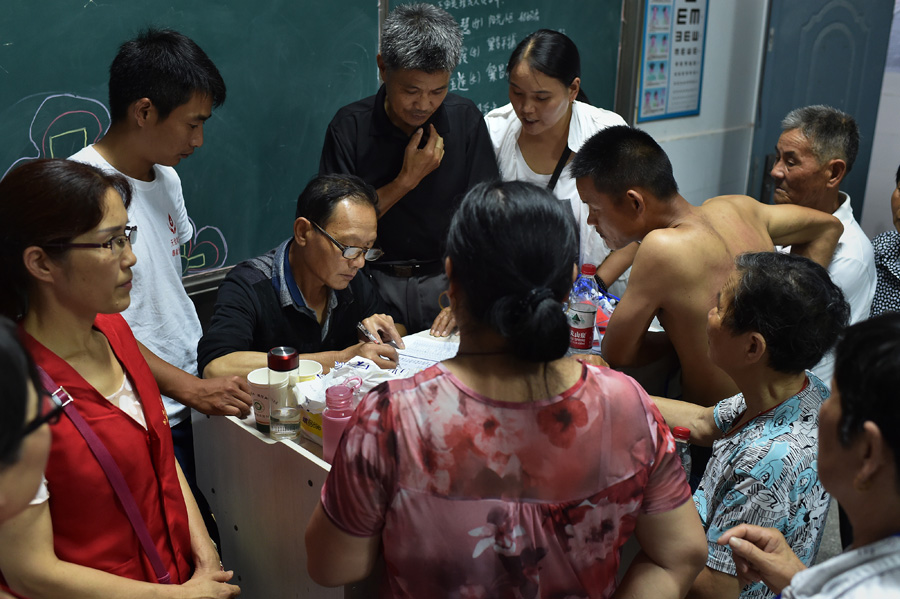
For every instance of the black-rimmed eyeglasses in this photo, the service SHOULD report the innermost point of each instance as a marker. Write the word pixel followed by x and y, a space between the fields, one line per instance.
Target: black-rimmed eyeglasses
pixel 116 245
pixel 350 252
pixel 50 409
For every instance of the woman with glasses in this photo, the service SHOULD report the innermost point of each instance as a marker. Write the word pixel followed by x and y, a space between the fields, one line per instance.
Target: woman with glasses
pixel 509 470
pixel 66 264
pixel 310 292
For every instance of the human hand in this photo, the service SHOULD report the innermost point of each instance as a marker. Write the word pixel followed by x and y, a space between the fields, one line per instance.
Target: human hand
pixel 210 585
pixel 418 163
pixel 384 355
pixel 444 324
pixel 222 396
pixel 761 554
pixel 382 325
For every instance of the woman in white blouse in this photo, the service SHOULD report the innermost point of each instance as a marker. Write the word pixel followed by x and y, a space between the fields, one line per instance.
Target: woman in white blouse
pixel 544 125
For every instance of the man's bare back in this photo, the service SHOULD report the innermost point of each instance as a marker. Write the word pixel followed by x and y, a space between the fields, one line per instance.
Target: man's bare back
pixel 679 270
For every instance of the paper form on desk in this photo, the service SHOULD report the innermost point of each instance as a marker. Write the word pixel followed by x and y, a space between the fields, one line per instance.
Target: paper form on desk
pixel 422 352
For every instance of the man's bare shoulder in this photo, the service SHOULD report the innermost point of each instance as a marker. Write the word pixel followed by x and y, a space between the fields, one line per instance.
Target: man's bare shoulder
pixel 733 202
pixel 672 252
pixel 691 234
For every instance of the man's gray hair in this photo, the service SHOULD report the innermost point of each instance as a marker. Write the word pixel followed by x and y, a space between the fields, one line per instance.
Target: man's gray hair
pixel 420 37
pixel 831 133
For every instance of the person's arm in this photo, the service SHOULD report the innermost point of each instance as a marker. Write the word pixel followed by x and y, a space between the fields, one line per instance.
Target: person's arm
pixel 627 341
pixel 417 164
pixel 225 396
pixel 206 558
pixel 357 495
pixel 32 569
pixel 762 554
pixel 242 363
pixel 673 550
pixel 810 233
pixel 712 584
pixel 324 541
pixel 616 263
pixel 700 420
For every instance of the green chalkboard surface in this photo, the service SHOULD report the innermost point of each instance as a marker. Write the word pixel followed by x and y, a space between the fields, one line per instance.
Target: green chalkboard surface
pixel 288 64
pixel 493 28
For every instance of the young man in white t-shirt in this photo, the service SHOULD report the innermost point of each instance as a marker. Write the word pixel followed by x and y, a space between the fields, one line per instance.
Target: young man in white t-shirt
pixel 162 89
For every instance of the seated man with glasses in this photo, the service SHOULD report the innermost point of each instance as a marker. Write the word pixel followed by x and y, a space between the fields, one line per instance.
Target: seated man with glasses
pixel 306 293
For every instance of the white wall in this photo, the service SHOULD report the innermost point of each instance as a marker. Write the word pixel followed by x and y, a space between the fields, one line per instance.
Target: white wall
pixel 710 153
pixel 876 211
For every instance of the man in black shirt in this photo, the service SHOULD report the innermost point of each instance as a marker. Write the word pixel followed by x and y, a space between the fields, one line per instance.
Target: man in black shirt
pixel 421 147
pixel 306 293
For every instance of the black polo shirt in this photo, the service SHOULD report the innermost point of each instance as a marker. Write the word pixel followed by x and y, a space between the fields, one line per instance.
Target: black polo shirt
pixel 361 140
pixel 260 307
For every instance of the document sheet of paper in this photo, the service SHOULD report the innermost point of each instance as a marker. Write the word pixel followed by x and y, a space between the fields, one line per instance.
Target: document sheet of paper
pixel 421 352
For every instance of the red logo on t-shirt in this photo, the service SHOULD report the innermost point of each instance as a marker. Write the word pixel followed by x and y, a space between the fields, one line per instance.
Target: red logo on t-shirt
pixel 171 224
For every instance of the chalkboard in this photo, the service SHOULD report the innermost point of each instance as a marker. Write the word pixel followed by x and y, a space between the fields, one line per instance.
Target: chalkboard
pixel 493 28
pixel 288 64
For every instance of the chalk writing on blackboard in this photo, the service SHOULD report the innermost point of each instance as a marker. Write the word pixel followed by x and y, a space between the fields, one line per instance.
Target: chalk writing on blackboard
pixel 206 251
pixel 490 34
pixel 63 124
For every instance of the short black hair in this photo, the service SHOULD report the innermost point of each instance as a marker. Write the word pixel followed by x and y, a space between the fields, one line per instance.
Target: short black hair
pixel 792 302
pixel 621 158
pixel 164 66
pixel 513 247
pixel 867 376
pixel 16 369
pixel 320 196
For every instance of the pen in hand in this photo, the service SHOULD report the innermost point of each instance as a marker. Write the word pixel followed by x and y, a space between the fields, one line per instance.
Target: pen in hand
pixel 371 337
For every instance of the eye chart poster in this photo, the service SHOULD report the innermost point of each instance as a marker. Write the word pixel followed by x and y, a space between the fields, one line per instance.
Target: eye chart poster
pixel 672 59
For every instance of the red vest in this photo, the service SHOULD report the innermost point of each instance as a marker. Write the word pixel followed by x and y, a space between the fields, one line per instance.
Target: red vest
pixel 90 527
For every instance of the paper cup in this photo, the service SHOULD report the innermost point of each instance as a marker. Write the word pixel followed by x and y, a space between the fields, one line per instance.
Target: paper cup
pixel 266 394
pixel 307 370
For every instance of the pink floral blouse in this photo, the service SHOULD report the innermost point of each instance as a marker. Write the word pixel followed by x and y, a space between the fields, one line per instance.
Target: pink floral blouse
pixel 480 498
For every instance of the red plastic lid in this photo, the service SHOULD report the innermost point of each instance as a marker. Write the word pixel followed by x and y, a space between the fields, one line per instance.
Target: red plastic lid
pixel 283 358
pixel 682 433
pixel 588 269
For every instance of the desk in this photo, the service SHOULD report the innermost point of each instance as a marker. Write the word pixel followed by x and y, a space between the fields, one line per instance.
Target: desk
pixel 263 492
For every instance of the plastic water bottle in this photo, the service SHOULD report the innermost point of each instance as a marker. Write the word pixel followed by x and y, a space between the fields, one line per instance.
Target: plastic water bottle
pixel 683 447
pixel 284 417
pixel 338 408
pixel 582 310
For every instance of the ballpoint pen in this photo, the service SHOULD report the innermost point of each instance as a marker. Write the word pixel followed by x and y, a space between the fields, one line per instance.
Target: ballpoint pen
pixel 371 337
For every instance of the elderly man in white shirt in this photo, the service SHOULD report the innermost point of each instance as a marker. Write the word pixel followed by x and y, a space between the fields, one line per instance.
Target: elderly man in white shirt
pixel 816 150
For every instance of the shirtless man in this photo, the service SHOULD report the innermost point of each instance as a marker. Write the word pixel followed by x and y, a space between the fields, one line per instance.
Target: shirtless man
pixel 687 252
